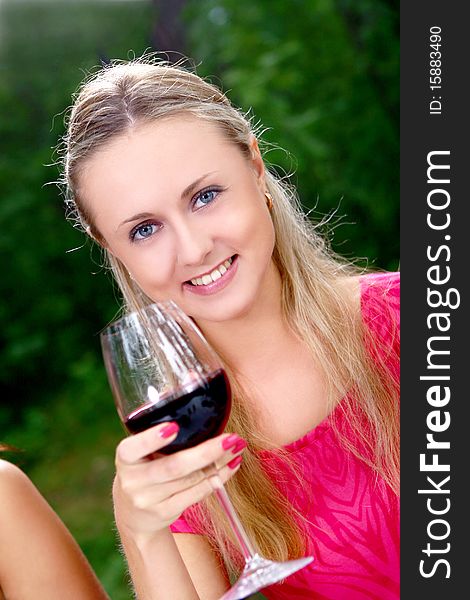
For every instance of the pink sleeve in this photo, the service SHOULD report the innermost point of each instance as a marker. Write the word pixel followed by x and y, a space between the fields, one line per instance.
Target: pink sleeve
pixel 181 526
pixel 380 301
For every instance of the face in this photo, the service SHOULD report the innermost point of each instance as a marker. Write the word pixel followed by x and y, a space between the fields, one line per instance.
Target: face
pixel 184 210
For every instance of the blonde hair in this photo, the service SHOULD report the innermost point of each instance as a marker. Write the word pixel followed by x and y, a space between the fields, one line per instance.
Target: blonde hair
pixel 314 301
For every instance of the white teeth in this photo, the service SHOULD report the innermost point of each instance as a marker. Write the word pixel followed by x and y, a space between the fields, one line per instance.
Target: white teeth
pixel 214 275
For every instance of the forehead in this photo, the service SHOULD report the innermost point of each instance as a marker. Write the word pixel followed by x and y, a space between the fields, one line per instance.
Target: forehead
pixel 169 133
pixel 170 152
pixel 176 139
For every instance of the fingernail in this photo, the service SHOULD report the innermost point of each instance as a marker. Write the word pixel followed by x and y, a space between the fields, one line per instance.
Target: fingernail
pixel 168 430
pixel 240 445
pixel 230 441
pixel 233 464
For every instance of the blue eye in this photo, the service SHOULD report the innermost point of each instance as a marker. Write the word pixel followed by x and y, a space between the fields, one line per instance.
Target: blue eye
pixel 205 197
pixel 144 231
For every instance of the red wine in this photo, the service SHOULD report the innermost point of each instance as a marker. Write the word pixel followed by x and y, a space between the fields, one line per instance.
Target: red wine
pixel 201 414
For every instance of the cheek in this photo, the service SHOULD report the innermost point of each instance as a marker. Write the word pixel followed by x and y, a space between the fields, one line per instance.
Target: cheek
pixel 156 275
pixel 260 232
pixel 249 223
pixel 152 271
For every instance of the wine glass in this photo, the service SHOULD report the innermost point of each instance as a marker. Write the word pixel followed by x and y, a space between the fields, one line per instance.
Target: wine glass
pixel 161 368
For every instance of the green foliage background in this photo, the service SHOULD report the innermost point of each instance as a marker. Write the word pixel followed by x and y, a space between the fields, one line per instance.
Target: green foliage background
pixel 321 77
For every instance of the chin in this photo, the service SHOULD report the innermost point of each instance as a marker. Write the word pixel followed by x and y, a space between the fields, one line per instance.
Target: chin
pixel 223 311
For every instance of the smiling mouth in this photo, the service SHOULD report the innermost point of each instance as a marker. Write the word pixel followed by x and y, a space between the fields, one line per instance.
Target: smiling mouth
pixel 214 275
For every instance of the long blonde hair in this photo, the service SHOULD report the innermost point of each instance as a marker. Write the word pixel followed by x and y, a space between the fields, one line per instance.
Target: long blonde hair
pixel 313 298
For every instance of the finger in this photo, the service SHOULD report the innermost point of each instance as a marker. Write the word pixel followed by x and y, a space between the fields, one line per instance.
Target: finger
pixel 161 478
pixel 137 476
pixel 218 478
pixel 169 488
pixel 137 447
pixel 180 465
pixel 173 507
pixel 166 502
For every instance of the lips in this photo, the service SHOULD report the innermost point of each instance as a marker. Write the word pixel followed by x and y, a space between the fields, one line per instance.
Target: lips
pixel 214 280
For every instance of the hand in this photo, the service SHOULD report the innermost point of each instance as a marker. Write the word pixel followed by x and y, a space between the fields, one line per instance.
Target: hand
pixel 150 492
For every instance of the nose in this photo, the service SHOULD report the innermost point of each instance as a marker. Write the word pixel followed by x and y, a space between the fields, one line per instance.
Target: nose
pixel 193 244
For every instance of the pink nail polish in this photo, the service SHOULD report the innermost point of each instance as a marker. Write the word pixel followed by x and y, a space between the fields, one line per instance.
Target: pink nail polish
pixel 168 430
pixel 240 445
pixel 230 441
pixel 233 464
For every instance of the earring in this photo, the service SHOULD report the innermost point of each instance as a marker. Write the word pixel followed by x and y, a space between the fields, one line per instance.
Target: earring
pixel 269 200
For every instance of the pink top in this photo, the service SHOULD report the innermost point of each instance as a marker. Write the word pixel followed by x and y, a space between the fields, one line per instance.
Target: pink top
pixel 353 516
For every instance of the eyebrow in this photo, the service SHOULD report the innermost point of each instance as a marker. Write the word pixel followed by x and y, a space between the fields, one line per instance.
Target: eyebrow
pixel 188 191
pixel 192 186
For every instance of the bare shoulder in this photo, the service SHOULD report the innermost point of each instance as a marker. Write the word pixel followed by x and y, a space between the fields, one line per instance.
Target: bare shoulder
pixel 32 533
pixel 20 500
pixel 203 564
pixel 13 480
pixel 8 469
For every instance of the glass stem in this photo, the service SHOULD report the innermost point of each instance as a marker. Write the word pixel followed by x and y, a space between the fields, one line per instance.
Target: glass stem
pixel 242 538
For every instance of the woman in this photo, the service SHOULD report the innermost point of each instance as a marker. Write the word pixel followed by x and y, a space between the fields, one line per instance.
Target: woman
pixel 39 560
pixel 169 179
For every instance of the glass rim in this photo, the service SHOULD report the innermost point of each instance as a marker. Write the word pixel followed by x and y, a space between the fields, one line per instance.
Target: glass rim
pixel 114 326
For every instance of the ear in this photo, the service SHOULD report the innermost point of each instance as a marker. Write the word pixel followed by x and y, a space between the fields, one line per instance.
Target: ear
pixel 257 162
